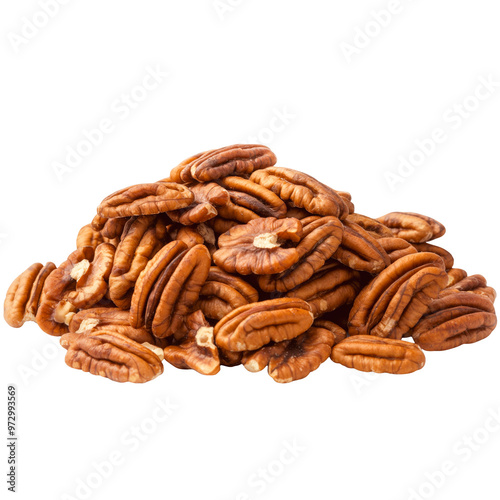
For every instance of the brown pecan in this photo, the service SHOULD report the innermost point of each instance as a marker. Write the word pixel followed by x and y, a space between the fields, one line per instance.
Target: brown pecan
pixel 208 198
pixel 372 226
pixel 455 319
pixel 412 227
pixel 111 355
pixel 393 302
pixel 302 191
pixel 455 275
pixel 330 288
pixel 249 200
pixel 254 325
pixel 23 296
pixel 113 228
pixel 396 247
pixel 219 225
pixel 54 311
pixel 98 222
pixel 262 246
pixel 339 333
pixel 167 258
pixel 223 292
pixel 146 199
pixel 361 251
pixel 176 291
pixel 197 350
pixel 347 200
pixel 374 354
pixel 140 241
pixel 110 319
pixel 472 284
pixel 292 359
pixel 320 239
pixel 88 237
pixel 240 159
pixel 93 284
pixel 186 234
pixel 444 254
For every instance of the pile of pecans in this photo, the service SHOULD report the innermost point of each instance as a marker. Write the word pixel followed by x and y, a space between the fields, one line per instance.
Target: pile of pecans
pixel 232 260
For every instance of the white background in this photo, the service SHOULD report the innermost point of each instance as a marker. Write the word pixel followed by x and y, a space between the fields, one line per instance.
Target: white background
pixel 230 72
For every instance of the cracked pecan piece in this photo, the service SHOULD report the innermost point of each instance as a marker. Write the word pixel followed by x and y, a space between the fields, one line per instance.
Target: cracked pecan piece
pixel 249 201
pixel 301 190
pixel 197 350
pixel 111 319
pixel 374 354
pixel 393 302
pixel 224 292
pixel 396 247
pixel 455 319
pixel 142 237
pixel 333 286
pixel 321 237
pixel 294 359
pixel 262 246
pixel 88 237
pixel 54 311
pixel 209 198
pixel 23 296
pixel 240 159
pixel 146 199
pixel 361 251
pixel 254 325
pixel 472 284
pixel 111 355
pixel 412 227
pixel 176 291
pixel 444 254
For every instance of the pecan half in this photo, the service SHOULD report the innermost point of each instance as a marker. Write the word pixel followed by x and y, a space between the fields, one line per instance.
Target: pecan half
pixel 54 311
pixel 197 350
pixel 455 275
pixel 140 241
pixel 372 226
pixel 374 354
pixel 331 287
pixel 444 254
pixel 249 200
pixel 472 284
pixel 338 332
pixel 396 247
pixel 412 227
pixel 88 237
pixel 302 191
pixel 262 246
pixel 455 319
pixel 361 251
pixel 23 296
pixel 113 228
pixel 111 355
pixel 93 284
pixel 224 292
pixel 111 319
pixel 146 199
pixel 396 299
pixel 208 199
pixel 240 159
pixel 293 359
pixel 321 238
pixel 255 325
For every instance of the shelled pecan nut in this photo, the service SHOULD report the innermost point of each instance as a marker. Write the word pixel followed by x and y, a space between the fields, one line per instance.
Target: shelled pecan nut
pixel 444 254
pixel 262 246
pixel 111 355
pixel 88 237
pixel 396 247
pixel 197 350
pixel 146 199
pixel 374 354
pixel 293 359
pixel 23 296
pixel 240 159
pixel 412 227
pixel 372 226
pixel 254 325
pixel 320 240
pixel 472 284
pixel 455 319
pixel 393 302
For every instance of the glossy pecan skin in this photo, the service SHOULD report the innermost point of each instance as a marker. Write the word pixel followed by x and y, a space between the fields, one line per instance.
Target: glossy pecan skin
pixel 412 227
pixel 368 353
